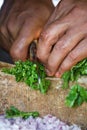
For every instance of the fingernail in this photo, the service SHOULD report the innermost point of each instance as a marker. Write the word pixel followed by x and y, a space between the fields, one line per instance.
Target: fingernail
pixel 58 74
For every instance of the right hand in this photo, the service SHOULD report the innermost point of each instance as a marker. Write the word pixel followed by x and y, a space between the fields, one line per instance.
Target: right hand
pixel 21 22
pixel 63 41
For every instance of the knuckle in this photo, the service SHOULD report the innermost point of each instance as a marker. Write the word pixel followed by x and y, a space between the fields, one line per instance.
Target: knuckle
pixel 60 46
pixel 72 56
pixel 45 36
pixel 15 54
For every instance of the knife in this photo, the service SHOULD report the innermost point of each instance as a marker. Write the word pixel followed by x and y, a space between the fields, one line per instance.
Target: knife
pixel 33 57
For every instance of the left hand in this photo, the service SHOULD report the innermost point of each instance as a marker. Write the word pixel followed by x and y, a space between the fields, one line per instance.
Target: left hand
pixel 63 41
pixel 21 22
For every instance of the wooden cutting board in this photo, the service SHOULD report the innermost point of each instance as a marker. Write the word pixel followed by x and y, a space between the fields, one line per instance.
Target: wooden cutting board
pixel 26 99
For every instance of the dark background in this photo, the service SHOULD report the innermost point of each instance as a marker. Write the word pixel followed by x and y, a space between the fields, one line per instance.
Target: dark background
pixel 5 57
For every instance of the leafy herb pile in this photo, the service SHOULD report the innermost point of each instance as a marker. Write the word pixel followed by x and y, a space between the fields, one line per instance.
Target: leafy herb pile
pixel 77 94
pixel 28 72
pixel 14 112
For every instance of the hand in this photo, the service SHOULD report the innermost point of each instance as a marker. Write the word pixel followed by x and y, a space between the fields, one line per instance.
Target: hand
pixel 63 41
pixel 21 21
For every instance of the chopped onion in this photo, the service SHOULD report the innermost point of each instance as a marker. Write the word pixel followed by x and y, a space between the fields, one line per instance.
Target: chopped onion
pixel 48 122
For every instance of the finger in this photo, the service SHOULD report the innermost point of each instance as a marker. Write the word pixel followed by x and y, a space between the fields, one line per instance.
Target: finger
pixel 61 10
pixel 48 38
pixel 19 49
pixel 76 55
pixel 62 48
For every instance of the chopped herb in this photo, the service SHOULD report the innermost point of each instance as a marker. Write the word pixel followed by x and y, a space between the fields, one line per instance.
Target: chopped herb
pixel 14 112
pixel 27 72
pixel 77 71
pixel 76 96
pixel 66 79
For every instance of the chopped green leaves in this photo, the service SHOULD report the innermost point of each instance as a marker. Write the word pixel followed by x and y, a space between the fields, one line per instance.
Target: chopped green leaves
pixel 66 79
pixel 14 112
pixel 76 96
pixel 77 71
pixel 27 72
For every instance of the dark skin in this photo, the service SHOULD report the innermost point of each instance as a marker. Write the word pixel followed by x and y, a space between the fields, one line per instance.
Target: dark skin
pixel 21 22
pixel 63 41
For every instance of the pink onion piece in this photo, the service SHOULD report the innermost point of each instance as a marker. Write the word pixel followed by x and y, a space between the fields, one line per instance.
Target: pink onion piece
pixel 48 122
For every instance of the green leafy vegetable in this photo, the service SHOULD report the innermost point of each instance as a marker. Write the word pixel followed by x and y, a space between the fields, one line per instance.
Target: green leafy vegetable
pixel 77 71
pixel 27 72
pixel 66 78
pixel 14 112
pixel 76 96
